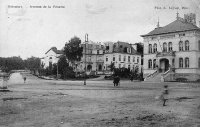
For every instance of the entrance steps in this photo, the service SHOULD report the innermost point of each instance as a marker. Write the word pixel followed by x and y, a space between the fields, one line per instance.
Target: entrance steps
pixel 155 78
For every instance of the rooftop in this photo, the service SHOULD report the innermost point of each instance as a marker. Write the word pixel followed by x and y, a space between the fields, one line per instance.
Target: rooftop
pixel 55 50
pixel 179 25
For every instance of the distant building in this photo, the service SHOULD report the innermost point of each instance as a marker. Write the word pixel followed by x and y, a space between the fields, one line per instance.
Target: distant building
pixel 97 57
pixel 94 54
pixel 51 57
pixel 173 50
pixel 123 55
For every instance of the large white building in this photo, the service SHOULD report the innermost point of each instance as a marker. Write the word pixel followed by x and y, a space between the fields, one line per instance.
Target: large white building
pixel 173 50
pixel 51 57
pixel 97 57
pixel 122 54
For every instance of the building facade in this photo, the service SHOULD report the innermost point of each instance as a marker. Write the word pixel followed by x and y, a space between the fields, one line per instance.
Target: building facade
pixel 123 55
pixel 173 50
pixel 51 57
pixel 92 59
pixel 97 57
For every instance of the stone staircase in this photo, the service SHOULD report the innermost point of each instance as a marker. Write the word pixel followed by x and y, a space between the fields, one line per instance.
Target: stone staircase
pixel 155 78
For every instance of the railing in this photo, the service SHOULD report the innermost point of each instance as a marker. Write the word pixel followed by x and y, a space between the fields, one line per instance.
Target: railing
pixel 151 75
pixel 160 54
pixel 165 74
pixel 168 75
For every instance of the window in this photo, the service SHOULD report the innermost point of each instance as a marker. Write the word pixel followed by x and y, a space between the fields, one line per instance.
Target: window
pixel 164 47
pixel 187 46
pixel 173 62
pixel 170 46
pixel 180 46
pixel 133 68
pixel 199 45
pixel 154 63
pixel 119 57
pixel 89 58
pixel 129 66
pixel 155 48
pixel 186 62
pixel 106 58
pixel 199 62
pixel 128 58
pixel 97 51
pixel 138 59
pixel 150 48
pixel 133 59
pixel 150 64
pixel 181 62
pixel 50 58
pixel 124 58
pixel 103 51
pixel 107 47
pixel 113 58
pixel 125 50
pixel 180 35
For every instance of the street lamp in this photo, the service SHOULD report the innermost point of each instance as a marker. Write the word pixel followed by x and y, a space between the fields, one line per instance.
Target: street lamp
pixel 57 68
pixel 86 40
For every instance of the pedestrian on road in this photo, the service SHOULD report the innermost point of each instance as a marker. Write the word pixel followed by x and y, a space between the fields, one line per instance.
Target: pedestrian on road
pixel 24 79
pixel 164 95
pixel 131 78
pixel 115 80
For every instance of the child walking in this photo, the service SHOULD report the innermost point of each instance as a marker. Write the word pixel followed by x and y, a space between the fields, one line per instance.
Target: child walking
pixel 164 95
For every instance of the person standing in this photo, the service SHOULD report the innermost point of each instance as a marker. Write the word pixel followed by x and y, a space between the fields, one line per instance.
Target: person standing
pixel 117 81
pixel 24 79
pixel 164 95
pixel 131 78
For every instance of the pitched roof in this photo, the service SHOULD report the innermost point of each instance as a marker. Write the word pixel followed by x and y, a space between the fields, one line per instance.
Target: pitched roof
pixel 178 25
pixel 55 50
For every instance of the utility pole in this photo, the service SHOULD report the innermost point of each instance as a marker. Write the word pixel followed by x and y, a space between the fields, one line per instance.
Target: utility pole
pixel 57 69
pixel 86 40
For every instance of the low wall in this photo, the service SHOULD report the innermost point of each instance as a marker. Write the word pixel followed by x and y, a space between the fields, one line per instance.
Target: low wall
pixel 188 76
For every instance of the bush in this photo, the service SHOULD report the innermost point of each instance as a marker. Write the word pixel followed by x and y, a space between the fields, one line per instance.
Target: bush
pixel 181 79
pixel 198 80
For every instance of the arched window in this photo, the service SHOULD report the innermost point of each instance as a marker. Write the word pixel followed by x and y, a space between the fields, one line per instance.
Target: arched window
pixel 187 45
pixel 180 46
pixel 164 47
pixel 170 46
pixel 154 63
pixel 150 64
pixel 186 62
pixel 181 62
pixel 150 48
pixel 155 48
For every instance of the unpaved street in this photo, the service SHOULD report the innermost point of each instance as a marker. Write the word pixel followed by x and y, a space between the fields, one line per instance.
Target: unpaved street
pixel 51 103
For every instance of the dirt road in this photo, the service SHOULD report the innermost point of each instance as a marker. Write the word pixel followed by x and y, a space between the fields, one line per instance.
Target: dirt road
pixel 49 103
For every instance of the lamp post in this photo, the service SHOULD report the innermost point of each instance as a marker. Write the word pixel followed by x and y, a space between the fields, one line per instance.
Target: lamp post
pixel 57 68
pixel 86 40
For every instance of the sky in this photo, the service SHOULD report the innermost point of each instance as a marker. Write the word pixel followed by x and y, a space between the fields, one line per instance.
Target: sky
pixel 27 31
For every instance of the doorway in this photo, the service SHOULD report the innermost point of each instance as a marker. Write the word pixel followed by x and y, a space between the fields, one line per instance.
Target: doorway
pixel 164 65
